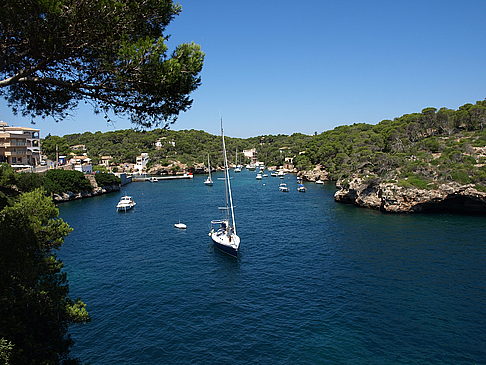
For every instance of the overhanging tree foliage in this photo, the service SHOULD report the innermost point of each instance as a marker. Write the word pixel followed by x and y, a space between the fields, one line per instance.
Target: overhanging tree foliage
pixel 111 53
pixel 35 309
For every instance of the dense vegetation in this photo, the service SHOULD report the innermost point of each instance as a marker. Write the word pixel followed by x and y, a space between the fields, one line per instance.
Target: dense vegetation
pixel 35 310
pixel 105 179
pixel 189 146
pixel 418 149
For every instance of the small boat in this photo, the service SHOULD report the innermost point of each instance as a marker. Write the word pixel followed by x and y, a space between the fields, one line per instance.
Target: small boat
pixel 224 234
pixel 259 176
pixel 301 188
pixel 209 181
pixel 180 225
pixel 283 187
pixel 126 202
pixel 237 167
pixel 265 175
pixel 153 179
pixel 319 181
pixel 273 173
pixel 281 173
pixel 251 167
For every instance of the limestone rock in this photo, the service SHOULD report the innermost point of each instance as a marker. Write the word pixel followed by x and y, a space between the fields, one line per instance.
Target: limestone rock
pixel 318 173
pixel 390 197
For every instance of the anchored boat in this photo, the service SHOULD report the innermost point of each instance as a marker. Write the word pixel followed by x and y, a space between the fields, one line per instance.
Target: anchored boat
pixel 223 231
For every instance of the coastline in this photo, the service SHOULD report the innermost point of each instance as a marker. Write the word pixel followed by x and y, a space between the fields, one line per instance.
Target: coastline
pixel 69 196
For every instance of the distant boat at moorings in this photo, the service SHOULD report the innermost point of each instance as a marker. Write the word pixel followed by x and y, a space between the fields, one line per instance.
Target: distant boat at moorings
pixel 237 167
pixel 153 179
pixel 301 188
pixel 283 187
pixel 126 202
pixel 273 173
pixel 224 235
pixel 209 181
pixel 259 176
pixel 319 181
pixel 180 225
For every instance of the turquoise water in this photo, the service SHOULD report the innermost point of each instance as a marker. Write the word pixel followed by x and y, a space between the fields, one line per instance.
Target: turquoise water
pixel 316 282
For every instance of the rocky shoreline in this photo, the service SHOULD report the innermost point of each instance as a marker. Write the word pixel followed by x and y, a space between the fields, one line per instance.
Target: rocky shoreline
pixel 68 196
pixel 392 198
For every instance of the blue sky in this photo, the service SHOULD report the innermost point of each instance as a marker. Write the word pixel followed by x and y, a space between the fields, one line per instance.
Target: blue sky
pixel 286 66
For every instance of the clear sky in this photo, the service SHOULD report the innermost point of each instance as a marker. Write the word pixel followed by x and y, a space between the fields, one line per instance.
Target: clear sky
pixel 288 66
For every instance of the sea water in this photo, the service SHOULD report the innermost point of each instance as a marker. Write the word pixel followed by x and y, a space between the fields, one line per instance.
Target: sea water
pixel 316 282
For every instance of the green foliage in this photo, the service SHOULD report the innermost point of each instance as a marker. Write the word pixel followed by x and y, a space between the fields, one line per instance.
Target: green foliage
pixel 59 181
pixel 430 144
pixel 461 176
pixel 414 181
pixel 6 348
pixel 111 53
pixel 35 310
pixel 104 179
pixel 29 181
pixel 100 168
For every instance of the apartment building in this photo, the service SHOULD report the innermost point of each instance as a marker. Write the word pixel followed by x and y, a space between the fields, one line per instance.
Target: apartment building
pixel 19 146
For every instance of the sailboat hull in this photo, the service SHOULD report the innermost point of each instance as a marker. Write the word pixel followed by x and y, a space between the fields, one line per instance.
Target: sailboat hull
pixel 223 243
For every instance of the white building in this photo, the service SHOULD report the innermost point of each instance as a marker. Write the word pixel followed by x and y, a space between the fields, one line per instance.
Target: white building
pixel 251 154
pixel 164 142
pixel 84 168
pixel 142 161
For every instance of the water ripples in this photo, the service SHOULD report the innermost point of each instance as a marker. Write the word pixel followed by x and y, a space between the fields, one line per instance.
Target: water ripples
pixel 317 282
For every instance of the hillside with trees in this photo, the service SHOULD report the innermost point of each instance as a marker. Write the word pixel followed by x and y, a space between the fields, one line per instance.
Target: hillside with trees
pixel 418 149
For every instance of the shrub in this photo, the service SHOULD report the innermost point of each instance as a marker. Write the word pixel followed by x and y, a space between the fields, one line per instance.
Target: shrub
pixel 104 179
pixel 59 181
pixel 414 181
pixel 29 181
pixel 461 176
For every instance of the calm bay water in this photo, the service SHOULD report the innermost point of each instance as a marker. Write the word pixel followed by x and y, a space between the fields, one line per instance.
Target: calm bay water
pixel 317 281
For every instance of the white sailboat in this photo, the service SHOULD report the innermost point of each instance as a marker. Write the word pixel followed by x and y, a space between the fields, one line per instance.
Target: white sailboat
pixel 209 181
pixel 223 232
pixel 238 167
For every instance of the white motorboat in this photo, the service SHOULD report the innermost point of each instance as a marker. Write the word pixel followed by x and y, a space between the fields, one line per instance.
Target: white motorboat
pixel 180 225
pixel 223 232
pixel 126 202
pixel 153 179
pixel 259 176
pixel 209 181
pixel 265 175
pixel 281 174
pixel 319 181
pixel 283 187
pixel 273 173
pixel 301 188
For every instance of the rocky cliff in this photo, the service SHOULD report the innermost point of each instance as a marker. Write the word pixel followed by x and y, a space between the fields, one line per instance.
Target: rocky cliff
pixel 318 173
pixel 390 197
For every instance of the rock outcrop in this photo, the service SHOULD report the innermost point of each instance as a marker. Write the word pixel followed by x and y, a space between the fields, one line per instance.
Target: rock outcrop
pixel 67 196
pixel 390 197
pixel 318 173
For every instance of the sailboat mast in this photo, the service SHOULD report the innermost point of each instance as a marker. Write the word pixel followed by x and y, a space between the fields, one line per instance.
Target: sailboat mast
pixel 228 180
pixel 209 168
